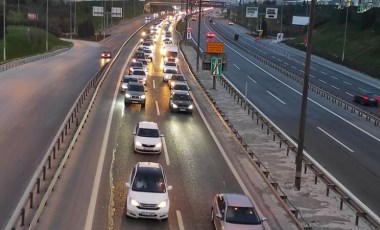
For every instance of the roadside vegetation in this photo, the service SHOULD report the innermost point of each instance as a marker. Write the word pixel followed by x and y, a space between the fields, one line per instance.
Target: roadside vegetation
pixel 25 41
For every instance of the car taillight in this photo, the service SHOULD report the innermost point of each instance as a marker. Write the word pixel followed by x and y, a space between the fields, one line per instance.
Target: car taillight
pixel 365 97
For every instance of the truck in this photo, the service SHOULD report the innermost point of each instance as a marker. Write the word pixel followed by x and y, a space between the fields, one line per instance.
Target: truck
pixel 170 51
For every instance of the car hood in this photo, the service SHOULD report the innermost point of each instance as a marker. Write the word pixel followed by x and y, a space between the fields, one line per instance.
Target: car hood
pixel 181 103
pixel 230 226
pixel 135 93
pixel 148 140
pixel 148 197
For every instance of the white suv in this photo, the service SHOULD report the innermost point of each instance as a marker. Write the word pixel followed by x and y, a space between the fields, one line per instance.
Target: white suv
pixel 147 192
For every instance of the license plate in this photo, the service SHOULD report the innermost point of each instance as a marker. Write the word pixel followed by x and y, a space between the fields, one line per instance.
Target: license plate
pixel 182 110
pixel 147 214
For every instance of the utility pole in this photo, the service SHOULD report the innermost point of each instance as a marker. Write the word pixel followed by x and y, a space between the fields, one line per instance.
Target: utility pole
pixel 345 33
pixel 199 32
pixel 47 26
pixel 301 134
pixel 4 33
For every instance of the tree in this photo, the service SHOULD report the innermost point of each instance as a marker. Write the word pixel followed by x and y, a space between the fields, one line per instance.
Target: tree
pixel 86 29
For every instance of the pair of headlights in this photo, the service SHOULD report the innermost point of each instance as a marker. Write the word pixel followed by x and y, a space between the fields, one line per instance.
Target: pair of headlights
pixel 162 204
pixel 127 95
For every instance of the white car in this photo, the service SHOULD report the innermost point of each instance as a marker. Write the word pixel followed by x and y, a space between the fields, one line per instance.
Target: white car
pixel 147 192
pixel 147 138
pixel 170 68
pixel 141 75
pixel 180 87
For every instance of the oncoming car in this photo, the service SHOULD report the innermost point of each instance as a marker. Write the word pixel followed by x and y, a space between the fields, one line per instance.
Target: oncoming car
pixel 147 192
pixel 181 102
pixel 147 138
pixel 106 54
pixel 235 211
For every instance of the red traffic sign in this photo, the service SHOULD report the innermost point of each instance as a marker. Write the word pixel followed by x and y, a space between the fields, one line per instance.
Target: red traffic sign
pixel 188 29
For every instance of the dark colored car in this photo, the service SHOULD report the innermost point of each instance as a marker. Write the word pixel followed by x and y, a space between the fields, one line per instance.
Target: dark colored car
pixel 181 102
pixel 367 98
pixel 138 55
pixel 135 93
pixel 106 54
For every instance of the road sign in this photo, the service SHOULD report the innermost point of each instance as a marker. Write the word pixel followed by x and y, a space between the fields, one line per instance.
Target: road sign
pixel 216 66
pixel 251 12
pixel 188 35
pixel 215 47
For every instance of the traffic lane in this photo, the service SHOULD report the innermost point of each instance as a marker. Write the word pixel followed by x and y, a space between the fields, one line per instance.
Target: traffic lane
pixel 37 100
pixel 281 94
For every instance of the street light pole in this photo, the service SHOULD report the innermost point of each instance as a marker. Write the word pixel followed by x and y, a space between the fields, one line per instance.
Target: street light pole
pixel 199 32
pixel 75 16
pixel 4 33
pixel 47 25
pixel 282 12
pixel 345 33
pixel 301 134
pixel 71 34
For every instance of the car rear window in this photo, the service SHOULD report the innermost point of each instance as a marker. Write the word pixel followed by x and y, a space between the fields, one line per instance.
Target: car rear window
pixel 138 72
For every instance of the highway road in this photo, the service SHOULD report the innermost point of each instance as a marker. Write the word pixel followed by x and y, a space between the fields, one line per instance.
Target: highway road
pixel 347 146
pixel 193 161
pixel 36 98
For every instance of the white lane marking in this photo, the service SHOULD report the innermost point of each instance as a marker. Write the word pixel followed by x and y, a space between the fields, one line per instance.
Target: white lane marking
pixel 154 84
pixel 165 151
pixel 251 79
pixel 321 80
pixel 264 52
pixel 335 87
pixel 293 67
pixel 311 76
pixel 347 83
pixel 273 57
pixel 180 221
pixel 323 73
pixel 349 94
pixel 302 71
pixel 157 108
pixel 362 89
pixel 278 59
pixel 345 146
pixel 333 77
pixel 237 67
pixel 276 97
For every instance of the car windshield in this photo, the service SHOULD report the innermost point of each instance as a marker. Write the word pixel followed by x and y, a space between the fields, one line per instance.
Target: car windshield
pixel 143 132
pixel 137 64
pixel 138 72
pixel 128 79
pixel 149 180
pixel 181 97
pixel 170 64
pixel 136 88
pixel 170 71
pixel 144 62
pixel 177 78
pixel 242 215
pixel 147 51
pixel 180 87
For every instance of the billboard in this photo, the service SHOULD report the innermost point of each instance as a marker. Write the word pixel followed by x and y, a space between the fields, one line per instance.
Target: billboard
pixel 299 20
pixel 271 13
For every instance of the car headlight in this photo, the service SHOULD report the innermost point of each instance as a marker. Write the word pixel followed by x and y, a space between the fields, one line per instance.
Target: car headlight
pixel 174 106
pixel 137 143
pixel 158 145
pixel 190 107
pixel 142 96
pixel 162 204
pixel 124 86
pixel 135 203
pixel 172 84
pixel 127 95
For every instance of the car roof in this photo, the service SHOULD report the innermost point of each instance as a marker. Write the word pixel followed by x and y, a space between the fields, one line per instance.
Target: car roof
pixel 148 125
pixel 238 200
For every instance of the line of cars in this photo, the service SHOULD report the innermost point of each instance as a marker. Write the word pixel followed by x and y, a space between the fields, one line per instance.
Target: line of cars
pixel 147 195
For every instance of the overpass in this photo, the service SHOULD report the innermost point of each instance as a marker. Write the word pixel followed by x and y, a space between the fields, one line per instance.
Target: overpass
pixel 205 3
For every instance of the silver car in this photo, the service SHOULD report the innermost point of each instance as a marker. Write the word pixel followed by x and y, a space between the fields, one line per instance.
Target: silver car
pixel 135 93
pixel 235 212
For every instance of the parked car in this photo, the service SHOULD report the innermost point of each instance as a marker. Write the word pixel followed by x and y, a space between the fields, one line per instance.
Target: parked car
pixel 235 211
pixel 181 102
pixel 367 98
pixel 135 93
pixel 147 138
pixel 147 195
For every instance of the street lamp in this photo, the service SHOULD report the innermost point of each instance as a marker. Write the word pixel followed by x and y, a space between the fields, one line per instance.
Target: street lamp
pixel 199 32
pixel 4 40
pixel 47 25
pixel 345 33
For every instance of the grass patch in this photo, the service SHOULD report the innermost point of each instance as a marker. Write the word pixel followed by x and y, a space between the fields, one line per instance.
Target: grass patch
pixel 361 52
pixel 24 41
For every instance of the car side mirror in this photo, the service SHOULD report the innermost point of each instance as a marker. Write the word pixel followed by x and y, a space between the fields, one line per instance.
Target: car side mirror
pixel 219 215
pixel 263 219
pixel 127 185
pixel 169 188
pixel 134 133
pixel 161 135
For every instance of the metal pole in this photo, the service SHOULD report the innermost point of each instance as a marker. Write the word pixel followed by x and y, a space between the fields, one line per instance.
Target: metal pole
pixel 199 32
pixel 75 16
pixel 301 134
pixel 282 12
pixel 71 23
pixel 4 32
pixel 345 34
pixel 123 8
pixel 186 21
pixel 134 8
pixel 47 25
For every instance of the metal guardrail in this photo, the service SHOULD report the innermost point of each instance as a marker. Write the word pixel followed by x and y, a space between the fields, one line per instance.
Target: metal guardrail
pixel 309 163
pixel 324 93
pixel 22 61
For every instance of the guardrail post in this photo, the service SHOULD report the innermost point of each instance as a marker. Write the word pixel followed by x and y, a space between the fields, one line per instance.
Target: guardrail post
pixel 359 214
pixel 22 217
pixel 31 200
pixel 44 173
pixel 342 200
pixel 54 152
pixel 59 143
pixel 49 162
pixel 38 185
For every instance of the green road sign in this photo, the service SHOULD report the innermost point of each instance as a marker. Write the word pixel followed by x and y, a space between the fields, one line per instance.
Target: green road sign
pixel 216 66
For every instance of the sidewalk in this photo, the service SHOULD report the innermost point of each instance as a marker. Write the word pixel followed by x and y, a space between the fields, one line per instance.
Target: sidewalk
pixel 311 206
